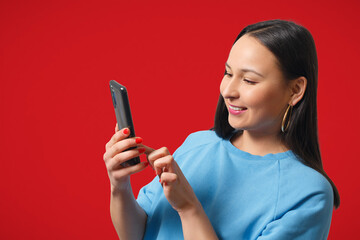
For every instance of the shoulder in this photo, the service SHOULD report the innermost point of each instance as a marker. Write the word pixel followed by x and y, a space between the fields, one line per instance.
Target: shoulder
pixel 303 177
pixel 198 139
pixel 301 186
pixel 304 203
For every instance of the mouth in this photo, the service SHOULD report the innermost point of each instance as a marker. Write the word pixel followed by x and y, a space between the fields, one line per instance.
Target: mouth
pixel 235 110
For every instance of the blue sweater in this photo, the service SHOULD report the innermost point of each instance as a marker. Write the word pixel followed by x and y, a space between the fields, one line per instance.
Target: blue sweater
pixel 245 196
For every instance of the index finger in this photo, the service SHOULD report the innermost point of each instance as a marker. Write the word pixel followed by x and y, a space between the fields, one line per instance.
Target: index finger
pixel 156 154
pixel 148 150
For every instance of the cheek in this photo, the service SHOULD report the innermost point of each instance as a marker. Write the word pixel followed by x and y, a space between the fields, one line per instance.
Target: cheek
pixel 263 97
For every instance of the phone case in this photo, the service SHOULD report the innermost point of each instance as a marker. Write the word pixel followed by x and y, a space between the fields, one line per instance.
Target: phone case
pixel 123 114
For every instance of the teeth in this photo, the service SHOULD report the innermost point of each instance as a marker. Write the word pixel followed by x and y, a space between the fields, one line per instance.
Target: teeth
pixel 236 108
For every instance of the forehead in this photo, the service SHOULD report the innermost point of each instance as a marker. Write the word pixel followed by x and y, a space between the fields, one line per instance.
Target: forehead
pixel 250 52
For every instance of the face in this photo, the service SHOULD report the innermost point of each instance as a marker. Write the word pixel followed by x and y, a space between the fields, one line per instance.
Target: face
pixel 254 88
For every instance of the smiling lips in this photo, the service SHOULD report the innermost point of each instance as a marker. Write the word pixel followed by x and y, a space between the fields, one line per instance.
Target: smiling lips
pixel 236 110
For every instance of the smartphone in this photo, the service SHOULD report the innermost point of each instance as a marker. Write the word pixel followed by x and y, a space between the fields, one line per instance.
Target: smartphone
pixel 123 114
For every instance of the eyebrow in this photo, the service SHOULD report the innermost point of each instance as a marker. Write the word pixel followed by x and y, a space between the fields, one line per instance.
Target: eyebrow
pixel 247 70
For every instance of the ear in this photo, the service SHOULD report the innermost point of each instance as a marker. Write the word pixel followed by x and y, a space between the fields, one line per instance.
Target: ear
pixel 297 88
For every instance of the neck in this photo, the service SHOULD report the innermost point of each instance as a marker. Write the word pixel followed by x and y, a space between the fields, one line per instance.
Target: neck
pixel 258 143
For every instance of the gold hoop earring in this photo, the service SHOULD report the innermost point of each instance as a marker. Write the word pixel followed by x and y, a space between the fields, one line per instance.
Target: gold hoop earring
pixel 286 119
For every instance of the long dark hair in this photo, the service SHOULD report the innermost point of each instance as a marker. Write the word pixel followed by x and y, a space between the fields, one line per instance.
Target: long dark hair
pixel 295 50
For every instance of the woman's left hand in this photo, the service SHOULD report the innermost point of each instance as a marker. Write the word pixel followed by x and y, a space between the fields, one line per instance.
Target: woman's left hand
pixel 177 189
pixel 180 195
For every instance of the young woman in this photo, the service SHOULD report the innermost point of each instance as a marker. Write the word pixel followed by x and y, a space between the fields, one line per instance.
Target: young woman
pixel 257 174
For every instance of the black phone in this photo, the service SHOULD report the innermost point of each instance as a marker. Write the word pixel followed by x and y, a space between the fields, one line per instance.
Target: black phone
pixel 123 114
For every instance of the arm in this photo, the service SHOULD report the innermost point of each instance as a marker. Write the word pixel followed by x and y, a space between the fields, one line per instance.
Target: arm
pixel 304 223
pixel 128 217
pixel 196 224
pixel 181 196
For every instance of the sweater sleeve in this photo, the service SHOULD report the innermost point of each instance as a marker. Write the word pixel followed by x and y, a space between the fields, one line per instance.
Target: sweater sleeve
pixel 146 195
pixel 303 211
pixel 148 192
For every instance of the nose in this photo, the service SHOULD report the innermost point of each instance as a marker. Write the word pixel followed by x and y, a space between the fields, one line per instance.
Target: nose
pixel 230 88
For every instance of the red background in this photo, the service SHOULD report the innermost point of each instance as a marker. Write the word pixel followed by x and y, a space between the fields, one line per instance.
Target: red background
pixel 57 58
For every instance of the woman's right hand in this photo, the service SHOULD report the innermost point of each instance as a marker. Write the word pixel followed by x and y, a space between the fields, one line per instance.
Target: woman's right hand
pixel 117 153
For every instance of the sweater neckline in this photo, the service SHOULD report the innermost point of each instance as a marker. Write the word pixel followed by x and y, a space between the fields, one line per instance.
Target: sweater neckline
pixel 270 156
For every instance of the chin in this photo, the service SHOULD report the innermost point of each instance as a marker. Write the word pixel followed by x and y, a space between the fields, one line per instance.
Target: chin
pixel 238 127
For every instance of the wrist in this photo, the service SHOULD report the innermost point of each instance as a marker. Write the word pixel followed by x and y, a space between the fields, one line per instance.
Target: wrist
pixel 196 224
pixel 191 211
pixel 120 189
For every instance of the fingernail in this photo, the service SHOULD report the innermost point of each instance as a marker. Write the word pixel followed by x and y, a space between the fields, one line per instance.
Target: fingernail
pixel 141 150
pixel 125 131
pixel 138 140
pixel 160 180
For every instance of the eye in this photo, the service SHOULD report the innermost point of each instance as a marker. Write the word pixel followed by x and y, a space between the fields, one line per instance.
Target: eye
pixel 227 74
pixel 249 81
